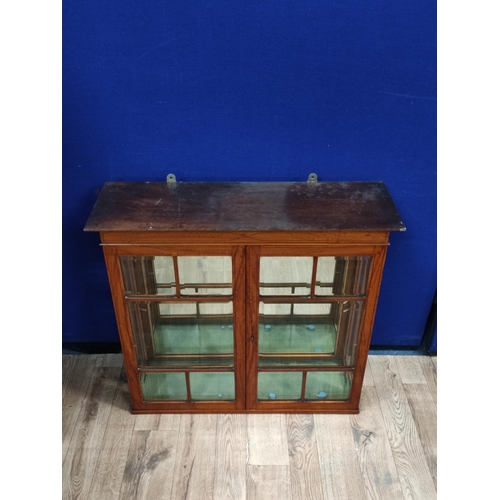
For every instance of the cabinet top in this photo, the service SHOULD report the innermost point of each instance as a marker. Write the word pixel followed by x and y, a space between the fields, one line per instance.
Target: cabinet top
pixel 244 206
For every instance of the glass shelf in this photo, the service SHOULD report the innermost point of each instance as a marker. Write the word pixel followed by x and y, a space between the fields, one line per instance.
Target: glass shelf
pixel 182 334
pixel 309 333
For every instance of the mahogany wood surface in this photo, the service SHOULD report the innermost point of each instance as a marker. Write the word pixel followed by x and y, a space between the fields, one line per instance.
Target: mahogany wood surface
pixel 295 238
pixel 244 206
pixel 245 221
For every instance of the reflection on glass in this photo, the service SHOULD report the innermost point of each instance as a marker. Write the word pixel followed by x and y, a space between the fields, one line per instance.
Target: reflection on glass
pixel 197 275
pixel 279 385
pixel 148 275
pixel 163 386
pixel 182 334
pixel 309 333
pixel 205 275
pixel 285 275
pixel 328 385
pixel 195 308
pixel 214 386
pixel 342 275
pixel 164 275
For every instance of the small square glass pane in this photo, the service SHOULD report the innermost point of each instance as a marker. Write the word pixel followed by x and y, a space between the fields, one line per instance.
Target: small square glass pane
pixel 216 308
pixel 164 275
pixel 342 275
pixel 163 385
pixel 148 275
pixel 279 386
pixel 286 275
pixel 205 275
pixel 322 386
pixel 274 310
pixel 177 309
pixel 212 386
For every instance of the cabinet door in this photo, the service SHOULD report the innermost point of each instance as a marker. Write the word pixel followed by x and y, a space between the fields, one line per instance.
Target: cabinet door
pixel 310 313
pixel 181 322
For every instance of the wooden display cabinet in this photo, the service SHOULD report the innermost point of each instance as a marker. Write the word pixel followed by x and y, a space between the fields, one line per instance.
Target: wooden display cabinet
pixel 245 297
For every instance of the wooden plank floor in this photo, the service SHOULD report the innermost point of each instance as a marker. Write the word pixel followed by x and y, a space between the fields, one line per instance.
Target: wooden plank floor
pixel 387 451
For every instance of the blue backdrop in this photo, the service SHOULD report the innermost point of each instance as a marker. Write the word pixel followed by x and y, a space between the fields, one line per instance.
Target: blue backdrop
pixel 251 91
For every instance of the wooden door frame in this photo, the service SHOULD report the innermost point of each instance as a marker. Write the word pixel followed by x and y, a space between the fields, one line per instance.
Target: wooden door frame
pixel 253 254
pixel 139 405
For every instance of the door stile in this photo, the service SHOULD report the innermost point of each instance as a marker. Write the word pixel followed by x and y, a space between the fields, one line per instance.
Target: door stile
pixel 239 293
pixel 252 324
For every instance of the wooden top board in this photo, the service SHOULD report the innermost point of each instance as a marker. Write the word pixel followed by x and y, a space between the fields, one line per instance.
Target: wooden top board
pixel 244 206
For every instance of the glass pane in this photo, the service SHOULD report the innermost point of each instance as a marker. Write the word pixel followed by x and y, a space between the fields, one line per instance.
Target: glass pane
pixel 205 275
pixel 279 385
pixel 212 386
pixel 182 334
pixel 328 385
pixel 148 275
pixel 197 275
pixel 285 275
pixel 342 275
pixel 310 333
pixel 164 275
pixel 196 308
pixel 163 386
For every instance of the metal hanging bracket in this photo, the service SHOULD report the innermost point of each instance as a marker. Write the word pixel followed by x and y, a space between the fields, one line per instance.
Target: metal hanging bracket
pixel 171 178
pixel 312 178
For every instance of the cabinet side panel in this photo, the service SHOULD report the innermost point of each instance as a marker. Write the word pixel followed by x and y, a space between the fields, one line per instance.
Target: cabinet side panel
pixel 372 294
pixel 118 294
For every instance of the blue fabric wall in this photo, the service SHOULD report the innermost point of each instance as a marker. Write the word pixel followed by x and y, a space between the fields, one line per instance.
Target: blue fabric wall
pixel 251 91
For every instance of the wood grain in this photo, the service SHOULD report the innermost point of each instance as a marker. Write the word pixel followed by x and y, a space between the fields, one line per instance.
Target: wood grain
pixel 67 366
pixel 112 360
pixel 267 482
pixel 381 453
pixel 230 457
pixel 267 439
pixel 430 374
pixel 368 378
pixel 244 237
pixel 195 464
pixel 340 468
pixel 110 467
pixel 409 457
pixel 247 206
pixel 378 470
pixel 169 422
pixel 147 422
pixel 76 380
pixel 85 445
pixel 423 409
pixel 305 474
pixel 410 369
pixel 149 470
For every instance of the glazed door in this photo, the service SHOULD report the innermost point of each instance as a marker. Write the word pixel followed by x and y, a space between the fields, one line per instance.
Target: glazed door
pixel 181 322
pixel 309 316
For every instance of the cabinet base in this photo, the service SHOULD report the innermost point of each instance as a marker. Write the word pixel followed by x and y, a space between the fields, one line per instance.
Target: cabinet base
pixel 198 412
